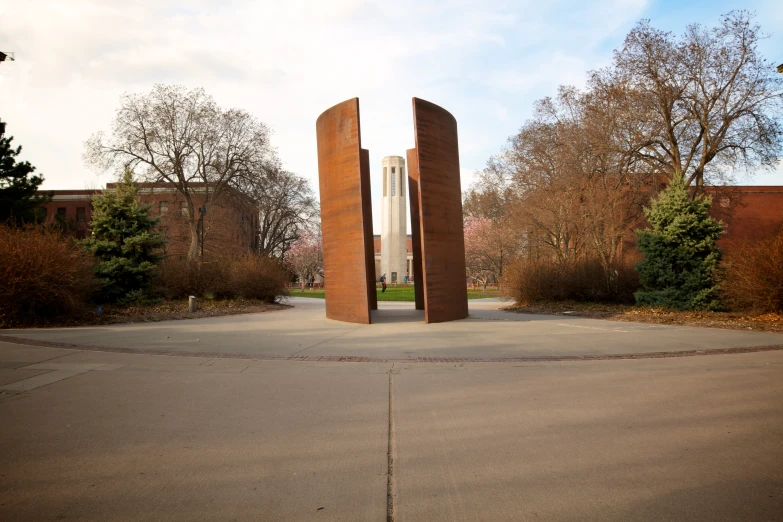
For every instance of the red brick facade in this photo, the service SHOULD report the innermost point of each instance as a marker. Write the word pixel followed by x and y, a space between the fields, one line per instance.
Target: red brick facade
pixel 749 213
pixel 376 240
pixel 73 207
pixel 230 225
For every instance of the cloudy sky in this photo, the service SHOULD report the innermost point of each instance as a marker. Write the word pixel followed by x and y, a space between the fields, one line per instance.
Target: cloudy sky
pixel 286 61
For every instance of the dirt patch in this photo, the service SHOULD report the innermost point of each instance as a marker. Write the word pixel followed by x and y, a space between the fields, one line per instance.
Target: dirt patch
pixel 164 311
pixel 730 320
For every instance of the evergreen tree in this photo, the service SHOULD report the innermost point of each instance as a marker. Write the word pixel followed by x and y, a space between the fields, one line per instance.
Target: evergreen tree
pixel 125 242
pixel 680 256
pixel 18 200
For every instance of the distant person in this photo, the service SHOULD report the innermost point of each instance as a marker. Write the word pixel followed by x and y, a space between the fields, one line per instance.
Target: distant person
pixel 405 279
pixel 383 283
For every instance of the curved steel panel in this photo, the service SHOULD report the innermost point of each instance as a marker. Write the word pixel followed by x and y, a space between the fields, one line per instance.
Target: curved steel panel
pixel 440 210
pixel 413 199
pixel 342 213
pixel 369 250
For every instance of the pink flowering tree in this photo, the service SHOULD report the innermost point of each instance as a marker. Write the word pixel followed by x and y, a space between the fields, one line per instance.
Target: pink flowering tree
pixel 305 257
pixel 489 248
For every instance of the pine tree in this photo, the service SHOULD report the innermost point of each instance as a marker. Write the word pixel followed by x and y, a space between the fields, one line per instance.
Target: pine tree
pixel 19 202
pixel 680 256
pixel 125 242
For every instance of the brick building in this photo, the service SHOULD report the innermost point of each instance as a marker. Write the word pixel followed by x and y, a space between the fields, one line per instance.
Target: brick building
pixel 230 225
pixel 748 213
pixel 73 207
pixel 393 277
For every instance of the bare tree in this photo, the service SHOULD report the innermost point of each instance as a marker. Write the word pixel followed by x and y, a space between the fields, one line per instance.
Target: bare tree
pixel 287 208
pixel 706 103
pixel 546 162
pixel 567 182
pixel 184 138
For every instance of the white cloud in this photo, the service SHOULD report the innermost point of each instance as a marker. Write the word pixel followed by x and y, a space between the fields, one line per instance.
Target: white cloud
pixel 286 62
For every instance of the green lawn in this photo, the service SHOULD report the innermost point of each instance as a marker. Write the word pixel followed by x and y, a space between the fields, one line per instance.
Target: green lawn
pixel 392 293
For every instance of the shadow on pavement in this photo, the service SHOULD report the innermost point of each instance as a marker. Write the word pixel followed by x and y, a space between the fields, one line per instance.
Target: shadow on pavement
pixel 398 316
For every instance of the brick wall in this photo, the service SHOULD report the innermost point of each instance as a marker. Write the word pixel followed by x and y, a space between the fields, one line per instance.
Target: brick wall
pixel 749 213
pixel 72 206
pixel 230 226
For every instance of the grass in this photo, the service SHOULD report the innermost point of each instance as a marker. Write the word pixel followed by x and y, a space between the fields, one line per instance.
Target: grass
pixel 393 293
pixel 317 293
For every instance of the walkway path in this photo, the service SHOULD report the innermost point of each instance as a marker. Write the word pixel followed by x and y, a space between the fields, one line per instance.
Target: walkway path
pixel 400 333
pixel 92 435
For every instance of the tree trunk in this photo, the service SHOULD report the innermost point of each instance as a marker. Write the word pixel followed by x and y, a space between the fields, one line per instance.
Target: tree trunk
pixel 193 250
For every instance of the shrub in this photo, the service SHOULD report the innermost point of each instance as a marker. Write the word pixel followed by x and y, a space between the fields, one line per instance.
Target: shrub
pixel 680 263
pixel 125 242
pixel 584 280
pixel 42 275
pixel 257 277
pixel 752 278
pixel 248 276
pixel 180 278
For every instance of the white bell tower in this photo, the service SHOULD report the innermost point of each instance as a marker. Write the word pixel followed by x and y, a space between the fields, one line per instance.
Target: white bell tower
pixel 394 231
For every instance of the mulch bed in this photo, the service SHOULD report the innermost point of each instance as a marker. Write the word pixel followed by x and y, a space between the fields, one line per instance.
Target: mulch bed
pixel 766 322
pixel 164 311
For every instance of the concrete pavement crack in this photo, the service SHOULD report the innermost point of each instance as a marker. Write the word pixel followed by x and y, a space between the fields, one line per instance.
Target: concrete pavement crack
pixel 391 492
pixel 327 340
pixel 49 359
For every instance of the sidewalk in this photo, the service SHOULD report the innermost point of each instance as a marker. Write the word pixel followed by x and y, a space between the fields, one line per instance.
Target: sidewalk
pixel 89 435
pixel 399 332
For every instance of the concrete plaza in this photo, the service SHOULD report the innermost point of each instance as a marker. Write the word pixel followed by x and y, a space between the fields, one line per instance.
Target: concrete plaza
pixel 213 431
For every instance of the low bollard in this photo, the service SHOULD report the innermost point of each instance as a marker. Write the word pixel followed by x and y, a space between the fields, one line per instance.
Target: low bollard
pixel 192 304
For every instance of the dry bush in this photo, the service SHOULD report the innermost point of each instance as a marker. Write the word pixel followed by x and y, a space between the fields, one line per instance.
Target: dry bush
pixel 583 280
pixel 181 278
pixel 752 278
pixel 247 276
pixel 42 275
pixel 257 277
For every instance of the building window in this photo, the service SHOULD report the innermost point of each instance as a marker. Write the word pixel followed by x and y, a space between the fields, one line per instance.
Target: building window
pixel 61 212
pixel 384 181
pixel 402 182
pixel 183 206
pixel 81 214
pixel 394 178
pixel 164 207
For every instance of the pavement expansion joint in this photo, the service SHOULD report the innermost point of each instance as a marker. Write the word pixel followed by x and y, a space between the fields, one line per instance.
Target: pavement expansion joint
pixel 55 372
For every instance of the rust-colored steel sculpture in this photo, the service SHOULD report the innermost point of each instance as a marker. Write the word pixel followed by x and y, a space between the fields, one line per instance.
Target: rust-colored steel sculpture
pixel 436 215
pixel 413 198
pixel 440 212
pixel 344 211
pixel 368 238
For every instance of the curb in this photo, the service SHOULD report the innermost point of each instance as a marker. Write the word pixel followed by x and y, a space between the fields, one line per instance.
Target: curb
pixel 357 359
